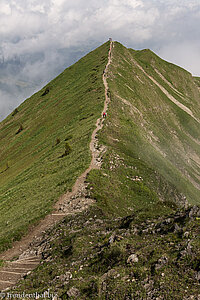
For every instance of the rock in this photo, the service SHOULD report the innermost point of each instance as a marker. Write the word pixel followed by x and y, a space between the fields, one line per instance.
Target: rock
pixel 65 277
pixel 73 292
pixel 110 273
pixel 149 286
pixel 99 221
pixel 177 229
pixel 194 212
pixel 112 238
pixel 186 234
pixel 133 258
pixel 28 273
pixel 161 262
pixel 189 248
pixel 165 226
pixel 198 276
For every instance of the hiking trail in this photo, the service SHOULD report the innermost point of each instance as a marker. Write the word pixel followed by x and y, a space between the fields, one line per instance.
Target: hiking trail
pixel 69 203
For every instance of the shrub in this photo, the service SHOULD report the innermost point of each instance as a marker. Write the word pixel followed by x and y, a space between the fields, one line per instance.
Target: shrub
pixel 68 137
pixel 46 91
pixel 19 129
pixel 90 288
pixel 57 141
pixel 68 149
pixel 7 166
pixel 107 258
pixel 15 112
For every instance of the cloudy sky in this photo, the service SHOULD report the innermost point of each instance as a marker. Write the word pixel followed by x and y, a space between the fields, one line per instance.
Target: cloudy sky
pixel 40 38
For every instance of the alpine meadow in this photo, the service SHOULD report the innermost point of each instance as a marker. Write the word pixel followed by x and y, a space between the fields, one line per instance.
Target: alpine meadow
pixel 107 158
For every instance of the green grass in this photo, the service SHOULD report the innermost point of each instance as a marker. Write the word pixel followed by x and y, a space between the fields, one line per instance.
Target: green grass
pixel 151 147
pixel 34 170
pixel 154 139
pixel 155 136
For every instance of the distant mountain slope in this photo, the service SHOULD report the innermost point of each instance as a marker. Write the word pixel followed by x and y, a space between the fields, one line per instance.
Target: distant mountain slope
pixel 33 170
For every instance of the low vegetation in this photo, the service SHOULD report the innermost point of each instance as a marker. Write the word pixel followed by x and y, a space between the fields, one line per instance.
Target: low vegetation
pixel 67 108
pixel 141 238
pixel 91 256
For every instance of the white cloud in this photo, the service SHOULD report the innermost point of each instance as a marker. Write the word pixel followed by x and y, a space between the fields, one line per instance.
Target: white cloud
pixel 5 8
pixel 184 54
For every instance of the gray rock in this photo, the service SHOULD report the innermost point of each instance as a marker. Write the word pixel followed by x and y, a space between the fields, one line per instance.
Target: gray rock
pixel 177 228
pixel 110 273
pixel 198 276
pixel 189 248
pixel 194 212
pixel 73 292
pixel 186 234
pixel 99 221
pixel 161 262
pixel 149 286
pixel 112 238
pixel 133 258
pixel 65 277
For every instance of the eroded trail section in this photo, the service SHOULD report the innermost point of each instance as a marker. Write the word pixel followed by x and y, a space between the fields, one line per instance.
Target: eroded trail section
pixel 70 203
pixel 79 189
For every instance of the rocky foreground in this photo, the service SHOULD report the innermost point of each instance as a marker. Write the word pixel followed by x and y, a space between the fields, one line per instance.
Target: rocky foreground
pixel 91 256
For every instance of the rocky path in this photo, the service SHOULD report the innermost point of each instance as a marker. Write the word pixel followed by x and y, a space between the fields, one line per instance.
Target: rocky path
pixel 70 203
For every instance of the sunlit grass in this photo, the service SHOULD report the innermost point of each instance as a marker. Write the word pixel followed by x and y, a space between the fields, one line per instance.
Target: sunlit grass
pixel 34 170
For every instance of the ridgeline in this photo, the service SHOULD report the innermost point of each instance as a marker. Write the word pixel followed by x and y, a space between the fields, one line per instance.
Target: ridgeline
pixel 139 238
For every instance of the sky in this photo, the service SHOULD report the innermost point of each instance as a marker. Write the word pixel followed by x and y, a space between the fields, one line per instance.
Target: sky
pixel 40 38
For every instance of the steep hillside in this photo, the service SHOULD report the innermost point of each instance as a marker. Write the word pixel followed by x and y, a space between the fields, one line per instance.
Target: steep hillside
pixel 154 123
pixel 140 240
pixel 35 138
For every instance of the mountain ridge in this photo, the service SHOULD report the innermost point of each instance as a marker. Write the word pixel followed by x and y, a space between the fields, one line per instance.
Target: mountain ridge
pixel 148 172
pixel 154 109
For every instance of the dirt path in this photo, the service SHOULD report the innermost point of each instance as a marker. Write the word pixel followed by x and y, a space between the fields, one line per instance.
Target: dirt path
pixel 70 203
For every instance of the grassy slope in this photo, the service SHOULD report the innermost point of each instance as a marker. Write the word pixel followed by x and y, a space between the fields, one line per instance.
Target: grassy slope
pixel 82 253
pixel 32 173
pixel 151 138
pixel 156 139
